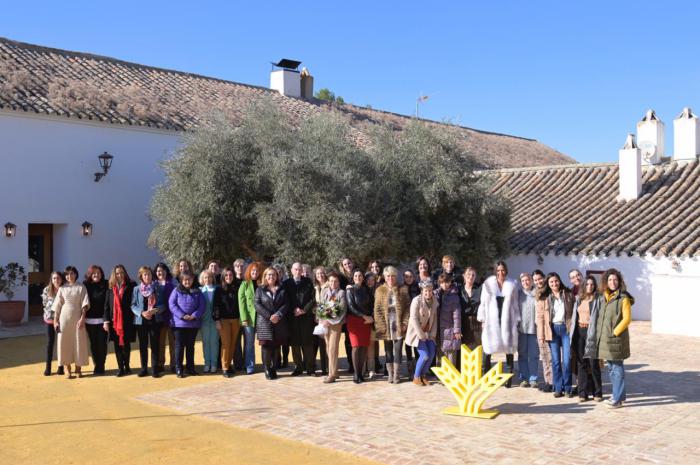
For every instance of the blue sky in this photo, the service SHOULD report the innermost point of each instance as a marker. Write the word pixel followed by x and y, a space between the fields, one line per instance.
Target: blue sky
pixel 575 75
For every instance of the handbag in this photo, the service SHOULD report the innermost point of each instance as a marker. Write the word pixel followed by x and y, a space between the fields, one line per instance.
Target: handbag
pixel 320 330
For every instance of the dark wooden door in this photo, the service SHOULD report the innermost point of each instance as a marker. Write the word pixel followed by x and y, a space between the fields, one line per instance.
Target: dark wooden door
pixel 40 264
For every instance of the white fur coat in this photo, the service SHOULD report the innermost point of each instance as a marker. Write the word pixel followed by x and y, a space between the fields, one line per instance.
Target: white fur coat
pixel 499 336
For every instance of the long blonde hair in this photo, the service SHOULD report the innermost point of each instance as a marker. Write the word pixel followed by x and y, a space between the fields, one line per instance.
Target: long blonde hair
pixel 113 276
pixel 50 289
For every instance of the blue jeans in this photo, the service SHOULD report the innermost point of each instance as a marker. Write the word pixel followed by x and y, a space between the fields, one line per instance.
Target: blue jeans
pixel 426 353
pixel 616 369
pixel 560 346
pixel 249 348
pixel 210 343
pixel 528 357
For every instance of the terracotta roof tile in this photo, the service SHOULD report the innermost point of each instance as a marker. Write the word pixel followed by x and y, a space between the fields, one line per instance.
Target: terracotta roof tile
pixel 574 209
pixel 79 85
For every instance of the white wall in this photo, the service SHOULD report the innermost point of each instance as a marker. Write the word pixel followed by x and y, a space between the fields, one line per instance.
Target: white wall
pixel 664 295
pixel 46 176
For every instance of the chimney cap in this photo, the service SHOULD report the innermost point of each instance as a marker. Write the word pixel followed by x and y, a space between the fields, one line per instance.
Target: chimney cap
pixel 286 63
pixel 687 113
pixel 629 142
pixel 650 115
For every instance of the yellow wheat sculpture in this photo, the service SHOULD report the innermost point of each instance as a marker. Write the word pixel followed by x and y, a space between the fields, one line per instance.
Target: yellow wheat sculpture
pixel 469 387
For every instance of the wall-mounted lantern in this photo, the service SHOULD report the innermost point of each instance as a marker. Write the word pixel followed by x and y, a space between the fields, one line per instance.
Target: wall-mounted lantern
pixel 87 228
pixel 10 230
pixel 105 163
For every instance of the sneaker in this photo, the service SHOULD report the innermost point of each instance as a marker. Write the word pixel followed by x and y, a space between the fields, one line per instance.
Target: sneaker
pixel 524 384
pixel 206 369
pixel 534 384
pixel 609 401
pixel 558 395
pixel 371 375
pixel 617 404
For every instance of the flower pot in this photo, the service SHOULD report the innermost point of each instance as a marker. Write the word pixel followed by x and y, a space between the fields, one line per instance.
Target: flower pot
pixel 11 312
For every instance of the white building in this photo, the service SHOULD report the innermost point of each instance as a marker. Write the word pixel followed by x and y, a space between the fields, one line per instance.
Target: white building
pixel 640 215
pixel 60 110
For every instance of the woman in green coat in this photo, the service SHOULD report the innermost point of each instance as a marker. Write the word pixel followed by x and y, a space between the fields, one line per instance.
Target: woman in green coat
pixel 246 305
pixel 611 338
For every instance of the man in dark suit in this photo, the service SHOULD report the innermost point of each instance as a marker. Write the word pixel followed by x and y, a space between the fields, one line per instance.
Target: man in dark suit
pixel 300 319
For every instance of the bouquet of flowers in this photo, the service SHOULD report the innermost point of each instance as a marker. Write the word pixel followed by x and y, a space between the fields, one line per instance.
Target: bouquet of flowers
pixel 328 311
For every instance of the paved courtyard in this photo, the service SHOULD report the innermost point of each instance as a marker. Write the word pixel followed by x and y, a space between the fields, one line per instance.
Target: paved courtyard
pixel 402 424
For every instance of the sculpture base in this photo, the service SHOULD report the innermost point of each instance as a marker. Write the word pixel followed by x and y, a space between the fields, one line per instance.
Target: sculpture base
pixel 487 414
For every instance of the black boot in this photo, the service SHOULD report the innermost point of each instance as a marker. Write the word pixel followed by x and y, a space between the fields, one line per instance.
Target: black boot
pixel 266 356
pixel 510 363
pixel 120 361
pixel 47 371
pixel 356 374
pixel 127 358
pixel 275 357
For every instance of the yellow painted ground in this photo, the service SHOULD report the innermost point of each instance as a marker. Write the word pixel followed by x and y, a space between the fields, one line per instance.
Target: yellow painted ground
pixel 96 420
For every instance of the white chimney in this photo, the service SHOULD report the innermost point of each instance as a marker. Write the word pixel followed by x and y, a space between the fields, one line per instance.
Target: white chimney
pixel 650 137
pixel 686 136
pixel 630 170
pixel 286 79
pixel 307 84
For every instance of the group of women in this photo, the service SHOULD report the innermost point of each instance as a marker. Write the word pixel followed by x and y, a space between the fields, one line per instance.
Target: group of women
pixel 427 316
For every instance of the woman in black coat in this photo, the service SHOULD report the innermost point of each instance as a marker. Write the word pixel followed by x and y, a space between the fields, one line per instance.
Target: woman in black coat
pixel 470 298
pixel 119 319
pixel 359 320
pixel 271 308
pixel 96 286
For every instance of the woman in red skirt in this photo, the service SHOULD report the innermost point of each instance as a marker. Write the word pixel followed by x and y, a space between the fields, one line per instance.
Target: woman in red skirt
pixel 359 322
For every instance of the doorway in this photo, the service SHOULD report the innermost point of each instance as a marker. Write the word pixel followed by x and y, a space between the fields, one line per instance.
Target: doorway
pixel 40 260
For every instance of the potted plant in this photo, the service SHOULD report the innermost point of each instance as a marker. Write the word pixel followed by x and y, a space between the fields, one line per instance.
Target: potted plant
pixel 11 311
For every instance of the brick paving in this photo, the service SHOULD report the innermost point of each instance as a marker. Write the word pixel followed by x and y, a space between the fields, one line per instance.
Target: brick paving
pixel 402 424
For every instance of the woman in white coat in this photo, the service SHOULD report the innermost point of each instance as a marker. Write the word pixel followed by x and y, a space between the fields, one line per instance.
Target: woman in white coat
pixel 499 315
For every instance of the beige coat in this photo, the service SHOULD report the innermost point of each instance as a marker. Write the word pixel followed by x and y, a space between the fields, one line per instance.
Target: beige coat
pixel 422 323
pixel 381 312
pixel 68 308
pixel 544 326
pixel 543 316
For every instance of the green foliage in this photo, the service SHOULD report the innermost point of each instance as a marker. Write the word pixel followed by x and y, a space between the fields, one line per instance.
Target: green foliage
pixel 270 189
pixel 327 95
pixel 11 276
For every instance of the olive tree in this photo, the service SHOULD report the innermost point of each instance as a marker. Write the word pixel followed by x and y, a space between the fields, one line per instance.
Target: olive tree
pixel 272 187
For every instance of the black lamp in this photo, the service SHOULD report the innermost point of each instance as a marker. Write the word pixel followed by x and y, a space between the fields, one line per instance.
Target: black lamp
pixel 105 163
pixel 10 230
pixel 87 228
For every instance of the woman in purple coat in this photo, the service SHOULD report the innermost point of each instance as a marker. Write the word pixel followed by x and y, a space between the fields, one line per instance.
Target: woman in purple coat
pixel 450 318
pixel 186 307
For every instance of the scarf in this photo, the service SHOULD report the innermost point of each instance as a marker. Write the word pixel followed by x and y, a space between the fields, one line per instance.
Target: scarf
pixel 148 292
pixel 118 315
